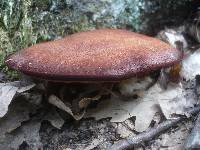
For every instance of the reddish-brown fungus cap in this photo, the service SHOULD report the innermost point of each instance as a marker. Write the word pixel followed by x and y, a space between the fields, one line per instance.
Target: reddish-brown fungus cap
pixel 99 55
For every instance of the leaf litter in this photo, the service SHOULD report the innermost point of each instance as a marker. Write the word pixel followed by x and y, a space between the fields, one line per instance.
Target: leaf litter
pixel 171 101
pixel 28 133
pixel 22 122
pixel 14 131
pixel 6 95
pixel 9 90
pixel 54 118
pixel 191 66
pixel 54 100
pixel 18 112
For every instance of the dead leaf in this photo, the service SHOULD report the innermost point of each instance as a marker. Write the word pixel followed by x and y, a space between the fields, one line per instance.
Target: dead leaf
pixel 18 112
pixel 170 100
pixel 8 91
pixel 120 110
pixel 54 100
pixel 3 77
pixel 28 133
pixel 191 66
pixel 174 74
pixel 173 100
pixel 193 29
pixel 134 86
pixel 172 36
pixel 84 102
pixel 54 118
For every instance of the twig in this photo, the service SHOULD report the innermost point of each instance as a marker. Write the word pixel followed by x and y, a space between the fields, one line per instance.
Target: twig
pixel 193 141
pixel 132 141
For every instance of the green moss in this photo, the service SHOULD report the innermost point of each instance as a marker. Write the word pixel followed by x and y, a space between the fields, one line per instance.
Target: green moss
pixel 41 4
pixel 15 29
pixel 5 47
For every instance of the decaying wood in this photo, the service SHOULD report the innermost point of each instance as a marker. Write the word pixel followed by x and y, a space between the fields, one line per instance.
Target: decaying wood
pixel 132 141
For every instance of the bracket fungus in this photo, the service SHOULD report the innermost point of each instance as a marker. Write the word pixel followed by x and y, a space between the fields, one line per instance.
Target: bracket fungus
pixel 98 56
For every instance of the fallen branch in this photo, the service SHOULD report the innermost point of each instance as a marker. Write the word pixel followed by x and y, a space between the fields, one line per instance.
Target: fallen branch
pixel 193 141
pixel 132 141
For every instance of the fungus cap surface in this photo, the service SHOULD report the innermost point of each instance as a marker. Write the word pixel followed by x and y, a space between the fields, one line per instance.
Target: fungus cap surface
pixel 99 55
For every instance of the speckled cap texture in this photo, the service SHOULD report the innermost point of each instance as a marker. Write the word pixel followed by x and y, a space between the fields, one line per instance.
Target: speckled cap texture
pixel 98 55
